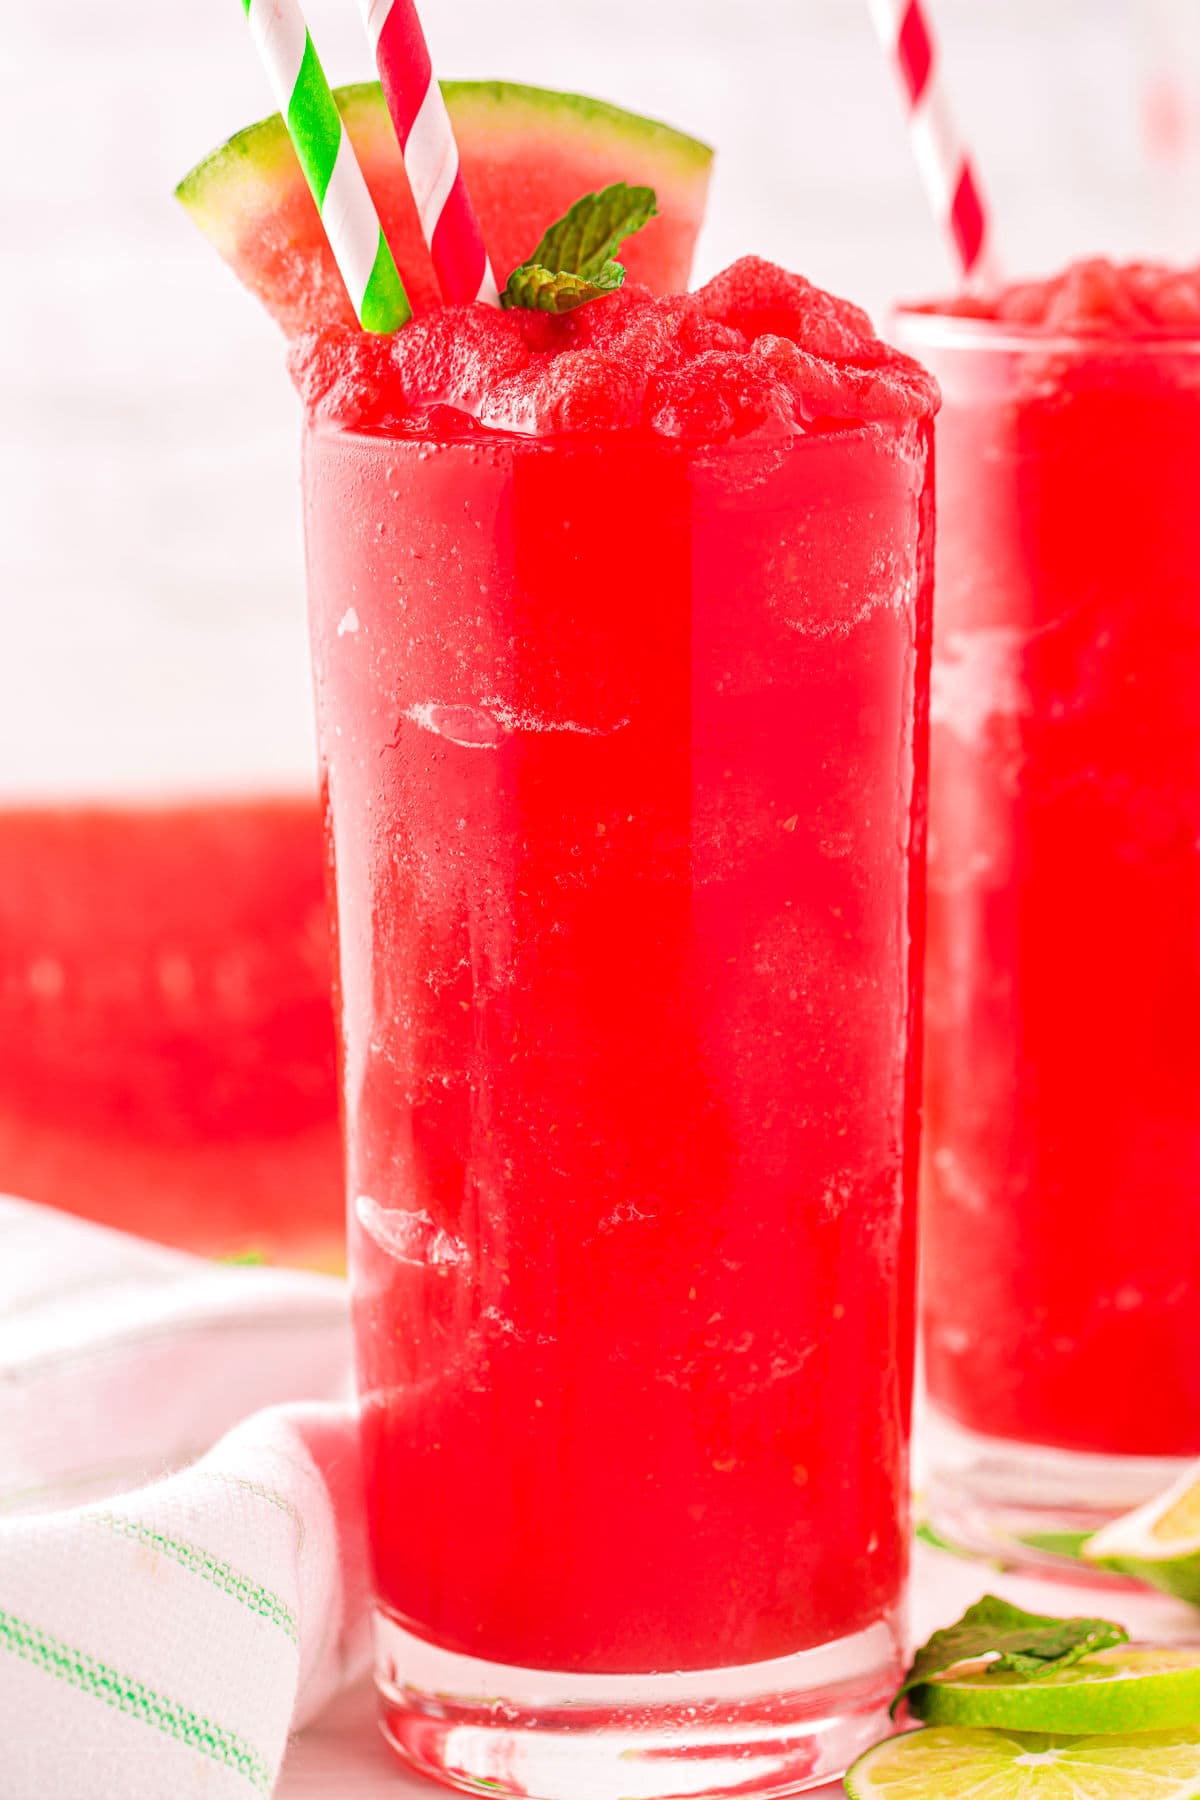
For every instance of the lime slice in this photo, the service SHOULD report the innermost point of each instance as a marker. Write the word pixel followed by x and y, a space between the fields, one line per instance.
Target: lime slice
pixel 1130 1687
pixel 943 1763
pixel 1057 1543
pixel 1158 1544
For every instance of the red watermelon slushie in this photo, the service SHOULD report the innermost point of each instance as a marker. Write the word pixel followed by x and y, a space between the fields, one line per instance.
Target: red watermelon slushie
pixel 620 624
pixel 1062 1224
pixel 620 618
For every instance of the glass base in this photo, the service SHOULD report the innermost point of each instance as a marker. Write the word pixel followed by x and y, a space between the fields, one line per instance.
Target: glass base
pixel 768 1728
pixel 1027 1505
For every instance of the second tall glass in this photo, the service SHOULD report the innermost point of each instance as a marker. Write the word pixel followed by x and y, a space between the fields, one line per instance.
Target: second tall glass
pixel 1062 1197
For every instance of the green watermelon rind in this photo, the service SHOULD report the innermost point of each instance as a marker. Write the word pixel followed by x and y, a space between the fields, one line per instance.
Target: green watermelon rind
pixel 262 150
pixel 691 154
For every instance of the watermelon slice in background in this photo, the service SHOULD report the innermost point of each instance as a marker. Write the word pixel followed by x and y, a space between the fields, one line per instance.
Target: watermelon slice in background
pixel 527 154
pixel 166 1035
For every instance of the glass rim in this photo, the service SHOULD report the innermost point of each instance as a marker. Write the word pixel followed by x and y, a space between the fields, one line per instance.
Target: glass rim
pixel 494 440
pixel 922 329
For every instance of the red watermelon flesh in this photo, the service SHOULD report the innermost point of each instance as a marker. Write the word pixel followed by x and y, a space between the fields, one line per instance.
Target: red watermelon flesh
pixel 527 155
pixel 166 1034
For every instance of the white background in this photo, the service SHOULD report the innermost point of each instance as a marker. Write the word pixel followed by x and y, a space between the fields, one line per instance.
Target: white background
pixel 149 539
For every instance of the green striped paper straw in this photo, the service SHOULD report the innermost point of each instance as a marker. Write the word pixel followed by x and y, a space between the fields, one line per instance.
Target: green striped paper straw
pixel 329 163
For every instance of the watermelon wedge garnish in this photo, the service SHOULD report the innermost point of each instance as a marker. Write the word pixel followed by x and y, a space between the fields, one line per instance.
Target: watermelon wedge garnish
pixel 527 155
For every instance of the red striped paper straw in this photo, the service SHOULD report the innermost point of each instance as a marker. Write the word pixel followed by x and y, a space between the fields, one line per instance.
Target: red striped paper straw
pixel 942 158
pixel 1170 37
pixel 426 136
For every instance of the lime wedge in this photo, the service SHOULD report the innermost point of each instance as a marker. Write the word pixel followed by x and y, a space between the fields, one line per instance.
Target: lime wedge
pixel 943 1763
pixel 1158 1544
pixel 1130 1687
pixel 1057 1543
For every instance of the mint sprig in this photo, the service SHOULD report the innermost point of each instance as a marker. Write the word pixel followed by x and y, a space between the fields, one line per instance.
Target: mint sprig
pixel 574 262
pixel 543 290
pixel 1028 1644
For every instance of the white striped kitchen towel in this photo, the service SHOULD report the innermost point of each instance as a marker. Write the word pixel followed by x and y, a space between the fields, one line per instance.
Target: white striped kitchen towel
pixel 182 1567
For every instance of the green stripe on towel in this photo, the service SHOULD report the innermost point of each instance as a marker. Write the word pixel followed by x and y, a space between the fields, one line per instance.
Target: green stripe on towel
pixel 105 1683
pixel 198 1561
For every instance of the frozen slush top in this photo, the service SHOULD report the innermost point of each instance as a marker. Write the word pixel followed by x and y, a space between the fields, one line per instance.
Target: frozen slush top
pixel 757 350
pixel 1097 296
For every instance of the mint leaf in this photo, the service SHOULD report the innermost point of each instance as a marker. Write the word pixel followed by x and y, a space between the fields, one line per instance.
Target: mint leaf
pixel 590 234
pixel 574 260
pixel 543 290
pixel 1028 1644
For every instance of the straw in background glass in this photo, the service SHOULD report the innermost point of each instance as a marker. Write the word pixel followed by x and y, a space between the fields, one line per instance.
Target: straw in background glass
pixel 946 168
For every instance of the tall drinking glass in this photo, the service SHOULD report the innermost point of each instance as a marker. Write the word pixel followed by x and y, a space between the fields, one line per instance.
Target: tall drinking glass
pixel 1062 1191
pixel 624 749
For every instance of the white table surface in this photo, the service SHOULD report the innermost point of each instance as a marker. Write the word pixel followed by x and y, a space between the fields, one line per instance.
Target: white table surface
pixel 342 1757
